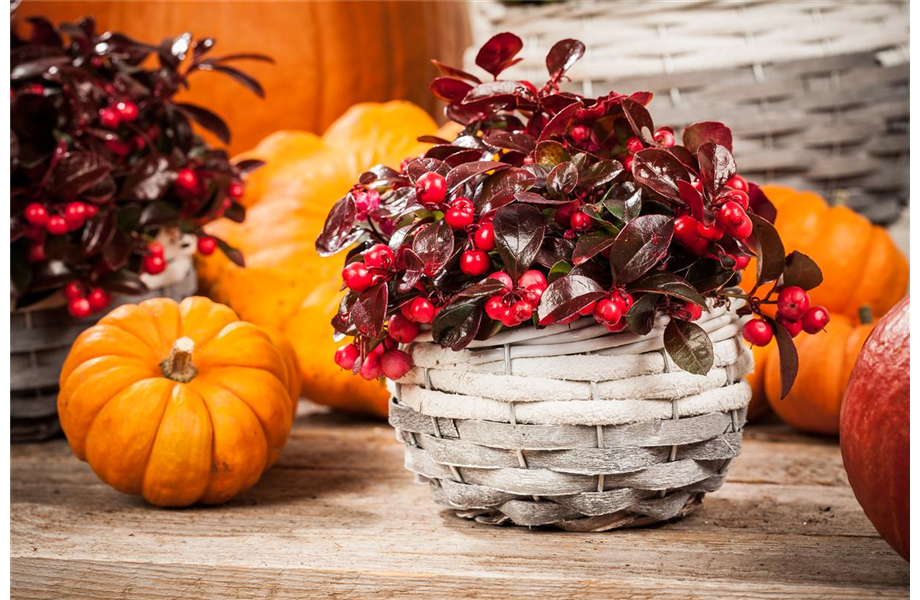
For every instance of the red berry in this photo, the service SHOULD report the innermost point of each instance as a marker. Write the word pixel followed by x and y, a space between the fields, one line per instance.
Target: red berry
pixel 738 183
pixel 793 326
pixel 731 215
pixel 98 299
pixel 155 249
pixel 665 137
pixel 757 332
pixel 37 252
pixel 607 311
pixel 741 262
pixel 356 277
pixel 207 245
pixel 588 310
pixel 371 368
pixel 744 230
pixel 79 308
pixel 379 256
pixel 580 134
pixel 431 188
pixel 622 299
pixel 710 231
pixel 495 306
pixel 56 225
pixel 793 302
pixel 118 147
pixel 154 264
pixel 346 356
pixel 634 144
pixel 236 190
pixel 739 196
pixel 109 118
pixel 395 364
pixel 75 215
pixel 816 318
pixel 74 290
pixel 508 318
pixel 685 230
pixel 474 262
pixel 522 309
pixel 628 163
pixel 564 213
pixel 422 311
pixel 402 329
pixel 127 110
pixel 485 237
pixel 458 218
pixel 695 311
pixel 187 180
pixel 463 203
pixel 36 214
pixel 580 222
pixel 533 278
pixel 91 211
pixel 504 278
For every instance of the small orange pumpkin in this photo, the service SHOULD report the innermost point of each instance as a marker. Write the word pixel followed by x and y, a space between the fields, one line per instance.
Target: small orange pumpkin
pixel 178 403
pixel 758 406
pixel 825 362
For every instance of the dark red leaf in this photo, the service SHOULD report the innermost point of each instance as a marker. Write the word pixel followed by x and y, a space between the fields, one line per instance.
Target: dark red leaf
pixel 206 119
pixel 235 256
pixel 669 284
pixel 717 166
pixel 566 296
pixel 801 271
pixel 561 122
pixel 689 346
pixel 413 268
pixel 454 72
pixel 590 245
pixel 501 188
pixel 562 56
pixel 562 180
pixel 691 198
pixel 434 244
pixel 449 89
pixel 456 324
pixel 149 179
pixel 760 204
pixel 503 92
pixel 549 153
pixel 706 131
pixel 660 171
pixel 509 140
pixel 498 53
pixel 641 245
pixel 370 310
pixel 771 255
pixel 788 357
pixel 639 119
pixel 339 230
pixel 75 173
pixel 419 166
pixel 465 172
pixel 519 230
pixel 532 198
pixel 599 173
pixel 244 79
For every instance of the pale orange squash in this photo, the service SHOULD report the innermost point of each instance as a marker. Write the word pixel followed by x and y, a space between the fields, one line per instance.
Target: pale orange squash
pixel 178 403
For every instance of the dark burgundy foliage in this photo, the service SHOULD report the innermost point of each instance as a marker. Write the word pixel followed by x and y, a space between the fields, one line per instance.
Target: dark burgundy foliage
pixel 565 191
pixel 67 149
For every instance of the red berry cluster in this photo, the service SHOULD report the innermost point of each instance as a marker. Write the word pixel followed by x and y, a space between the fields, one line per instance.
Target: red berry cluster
pixel 663 136
pixel 516 303
pixel 794 313
pixel 42 221
pixel 729 217
pixel 83 300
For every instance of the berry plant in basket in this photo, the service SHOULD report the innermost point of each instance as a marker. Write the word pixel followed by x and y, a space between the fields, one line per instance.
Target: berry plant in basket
pixel 104 158
pixel 550 207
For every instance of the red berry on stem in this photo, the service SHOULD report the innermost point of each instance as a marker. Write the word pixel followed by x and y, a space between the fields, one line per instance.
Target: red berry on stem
pixel 580 134
pixel 738 183
pixel 628 163
pixel 665 137
pixel 695 311
pixel 379 256
pixel 533 278
pixel 431 188
pixel 73 290
pixel 504 278
pixel 564 213
pixel 793 303
pixel 741 262
pixel 372 369
pixel 739 196
pixel 154 264
pixel 475 262
pixel 588 310
pixel 127 110
pixel 607 311
pixel 395 364
pixel 816 318
pixel 485 237
pixel 402 329
pixel 757 332
pixel 744 230
pixel 75 215
pixel 793 326
pixel 109 118
pixel 346 356
pixel 580 221
pixel 98 299
pixel 522 309
pixel 464 204
pixel 422 311
pixel 236 190
pixel 622 299
pixel 458 218
pixel 155 249
pixel 634 144
pixel 56 225
pixel 207 245
pixel 508 318
pixel 495 307
pixel 187 180
pixel 79 308
pixel 356 277
pixel 685 230
pixel 710 231
pixel 36 214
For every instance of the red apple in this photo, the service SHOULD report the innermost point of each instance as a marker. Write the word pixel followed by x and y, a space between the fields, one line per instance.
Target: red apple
pixel 875 428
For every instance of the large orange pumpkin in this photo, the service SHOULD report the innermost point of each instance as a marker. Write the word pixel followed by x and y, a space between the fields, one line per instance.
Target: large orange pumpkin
pixel 286 286
pixel 178 403
pixel 825 362
pixel 328 55
pixel 860 262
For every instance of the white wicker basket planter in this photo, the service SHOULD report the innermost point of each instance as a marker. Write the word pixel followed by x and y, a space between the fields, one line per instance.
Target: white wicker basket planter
pixel 41 337
pixel 572 426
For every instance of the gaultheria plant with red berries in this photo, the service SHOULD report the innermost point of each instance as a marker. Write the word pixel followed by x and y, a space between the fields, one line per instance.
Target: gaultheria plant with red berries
pixel 551 207
pixel 103 157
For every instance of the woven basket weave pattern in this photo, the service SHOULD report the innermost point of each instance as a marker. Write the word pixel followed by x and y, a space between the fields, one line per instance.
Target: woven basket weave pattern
pixel 816 92
pixel 625 440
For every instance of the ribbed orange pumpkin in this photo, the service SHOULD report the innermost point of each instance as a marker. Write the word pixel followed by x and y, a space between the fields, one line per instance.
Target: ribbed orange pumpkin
pixel 178 403
pixel 758 406
pixel 286 286
pixel 861 264
pixel 825 362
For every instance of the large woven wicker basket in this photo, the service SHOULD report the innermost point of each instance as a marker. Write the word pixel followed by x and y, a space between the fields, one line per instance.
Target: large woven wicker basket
pixel 41 336
pixel 572 426
pixel 817 92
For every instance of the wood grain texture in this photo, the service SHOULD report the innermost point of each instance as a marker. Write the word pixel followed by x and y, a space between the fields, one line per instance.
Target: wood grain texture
pixel 339 517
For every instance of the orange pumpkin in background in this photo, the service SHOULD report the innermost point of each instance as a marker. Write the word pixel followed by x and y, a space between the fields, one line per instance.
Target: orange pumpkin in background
pixel 285 285
pixel 178 403
pixel 758 407
pixel 328 55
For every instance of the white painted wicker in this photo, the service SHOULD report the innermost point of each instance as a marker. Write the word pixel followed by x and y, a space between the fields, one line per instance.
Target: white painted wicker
pixel 41 336
pixel 572 426
pixel 817 92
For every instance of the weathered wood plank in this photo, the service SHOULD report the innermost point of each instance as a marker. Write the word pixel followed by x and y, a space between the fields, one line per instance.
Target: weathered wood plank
pixel 340 517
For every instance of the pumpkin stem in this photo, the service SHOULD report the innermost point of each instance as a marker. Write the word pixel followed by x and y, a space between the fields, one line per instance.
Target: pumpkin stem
pixel 178 366
pixel 865 314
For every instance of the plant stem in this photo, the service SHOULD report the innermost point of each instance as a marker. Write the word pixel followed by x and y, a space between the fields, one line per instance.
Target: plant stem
pixel 178 365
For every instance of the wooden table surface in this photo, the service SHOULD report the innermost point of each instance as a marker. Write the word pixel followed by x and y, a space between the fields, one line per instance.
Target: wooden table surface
pixel 338 517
